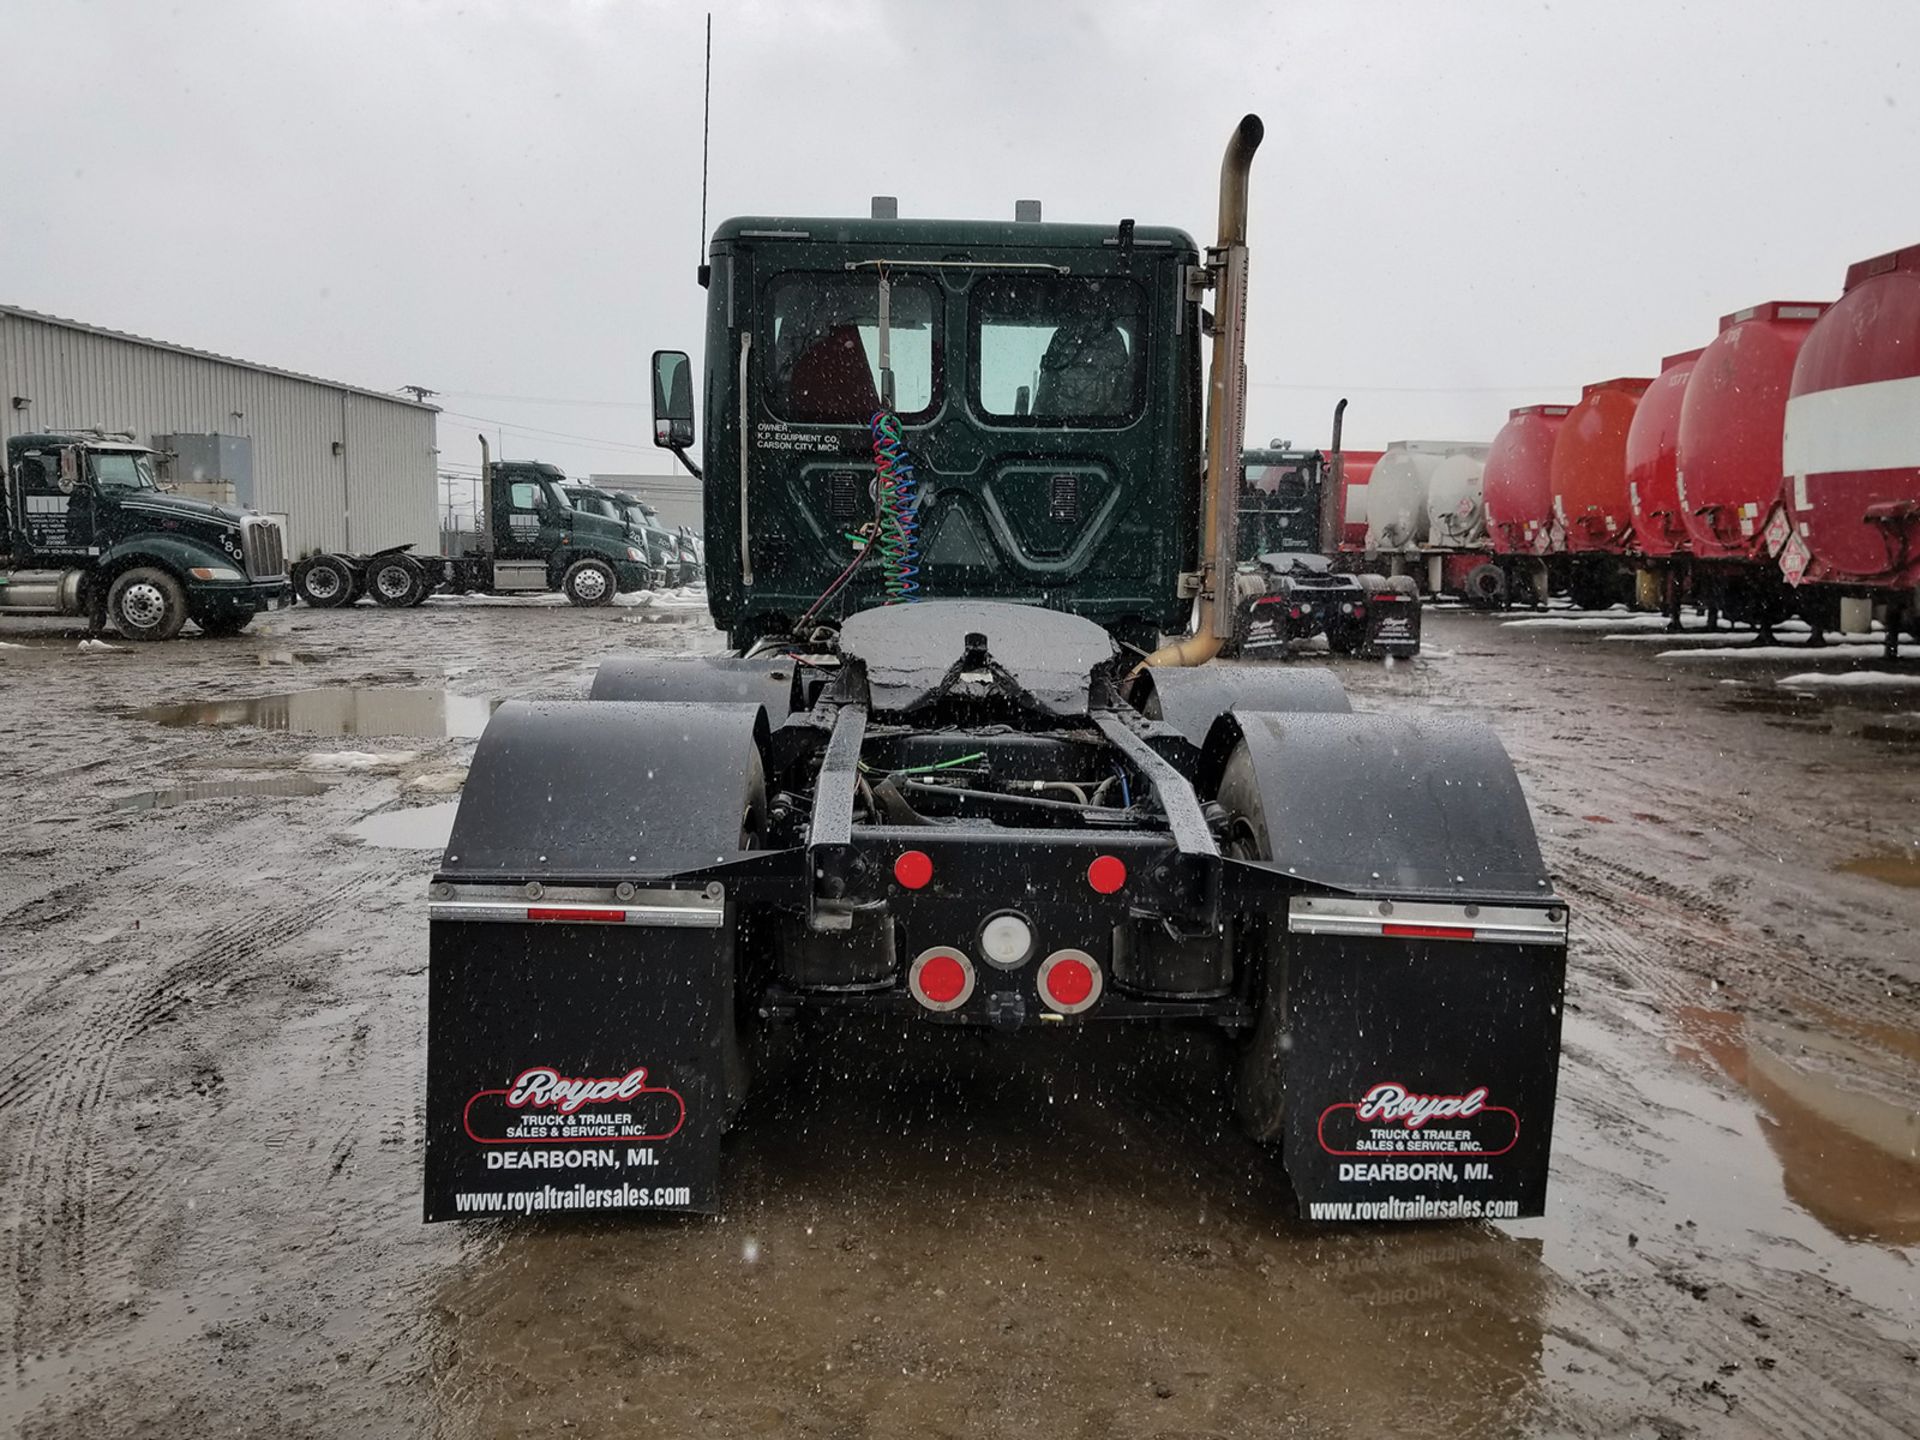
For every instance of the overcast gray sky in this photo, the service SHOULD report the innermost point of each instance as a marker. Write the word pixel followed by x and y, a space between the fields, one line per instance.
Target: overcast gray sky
pixel 1462 205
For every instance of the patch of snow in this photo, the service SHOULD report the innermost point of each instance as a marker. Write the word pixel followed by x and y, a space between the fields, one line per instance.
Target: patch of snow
pixel 436 782
pixel 1612 620
pixel 98 647
pixel 1733 644
pixel 363 761
pixel 9 645
pixel 1849 653
pixel 1852 680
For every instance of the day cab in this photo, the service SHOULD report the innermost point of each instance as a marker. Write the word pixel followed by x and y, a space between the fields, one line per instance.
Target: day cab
pixel 1047 382
pixel 89 531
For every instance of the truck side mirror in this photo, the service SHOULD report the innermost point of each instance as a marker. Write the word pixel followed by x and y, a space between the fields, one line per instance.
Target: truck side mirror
pixel 1023 401
pixel 672 399
pixel 70 475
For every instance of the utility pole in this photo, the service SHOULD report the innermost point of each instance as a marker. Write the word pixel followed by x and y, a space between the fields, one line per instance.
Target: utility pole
pixel 419 392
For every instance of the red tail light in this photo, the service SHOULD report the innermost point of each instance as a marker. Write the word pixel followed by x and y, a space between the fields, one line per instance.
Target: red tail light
pixel 941 979
pixel 914 869
pixel 1107 873
pixel 1070 981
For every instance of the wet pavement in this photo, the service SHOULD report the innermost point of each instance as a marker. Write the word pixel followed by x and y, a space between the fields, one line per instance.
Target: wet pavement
pixel 213 938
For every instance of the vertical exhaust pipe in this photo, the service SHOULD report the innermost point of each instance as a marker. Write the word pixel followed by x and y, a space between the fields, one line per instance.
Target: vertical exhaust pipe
pixel 1226 410
pixel 483 522
pixel 1333 487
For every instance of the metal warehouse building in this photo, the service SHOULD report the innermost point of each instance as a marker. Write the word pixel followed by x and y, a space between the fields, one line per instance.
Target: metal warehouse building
pixel 340 467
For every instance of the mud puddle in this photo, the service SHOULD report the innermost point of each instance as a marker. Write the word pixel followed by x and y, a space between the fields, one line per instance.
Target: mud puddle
pixel 424 827
pixel 290 785
pixel 1882 718
pixel 1893 867
pixel 1806 1164
pixel 347 710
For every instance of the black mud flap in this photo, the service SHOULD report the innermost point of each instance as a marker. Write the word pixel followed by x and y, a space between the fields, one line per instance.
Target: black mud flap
pixel 1393 625
pixel 576 1067
pixel 1421 1076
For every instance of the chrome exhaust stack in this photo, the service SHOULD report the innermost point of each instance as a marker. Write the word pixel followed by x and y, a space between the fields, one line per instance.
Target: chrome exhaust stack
pixel 1226 410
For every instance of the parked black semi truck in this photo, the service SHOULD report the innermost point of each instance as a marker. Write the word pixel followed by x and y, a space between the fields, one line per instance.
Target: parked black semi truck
pixel 1289 537
pixel 88 531
pixel 956 488
pixel 533 540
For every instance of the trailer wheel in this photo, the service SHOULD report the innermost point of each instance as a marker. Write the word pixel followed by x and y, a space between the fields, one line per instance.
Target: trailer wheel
pixel 1259 1097
pixel 1590 588
pixel 1486 585
pixel 324 582
pixel 589 582
pixel 396 583
pixel 147 604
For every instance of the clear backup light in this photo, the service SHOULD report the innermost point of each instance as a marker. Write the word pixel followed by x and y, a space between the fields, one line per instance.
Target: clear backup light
pixel 1006 940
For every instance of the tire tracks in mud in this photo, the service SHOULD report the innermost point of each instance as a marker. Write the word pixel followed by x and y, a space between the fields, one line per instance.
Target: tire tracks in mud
pixel 61 1254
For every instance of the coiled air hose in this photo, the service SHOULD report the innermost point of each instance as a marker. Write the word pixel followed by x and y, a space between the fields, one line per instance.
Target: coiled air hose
pixel 899 534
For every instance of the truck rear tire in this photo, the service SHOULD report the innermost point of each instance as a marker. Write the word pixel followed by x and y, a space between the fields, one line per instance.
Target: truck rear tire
pixel 224 624
pixel 147 604
pixel 589 582
pixel 324 582
pixel 396 583
pixel 1259 1092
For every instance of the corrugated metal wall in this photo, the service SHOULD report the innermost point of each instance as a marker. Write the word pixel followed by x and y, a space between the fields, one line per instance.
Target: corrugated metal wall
pixel 381 489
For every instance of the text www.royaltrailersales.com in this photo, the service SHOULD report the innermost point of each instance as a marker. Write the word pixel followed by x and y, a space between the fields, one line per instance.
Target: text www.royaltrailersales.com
pixel 575 1197
pixel 1418 1208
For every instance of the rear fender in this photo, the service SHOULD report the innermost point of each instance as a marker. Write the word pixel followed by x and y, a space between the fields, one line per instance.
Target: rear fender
pixel 1385 805
pixel 583 791
pixel 1192 701
pixel 581 1049
pixel 767 681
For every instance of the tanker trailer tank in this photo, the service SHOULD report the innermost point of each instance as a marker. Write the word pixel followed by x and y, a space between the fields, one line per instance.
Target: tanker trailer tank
pixel 1851 448
pixel 1589 483
pixel 1653 493
pixel 1516 486
pixel 1728 472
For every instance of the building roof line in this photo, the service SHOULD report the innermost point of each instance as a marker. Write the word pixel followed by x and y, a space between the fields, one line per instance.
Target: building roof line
pixel 64 323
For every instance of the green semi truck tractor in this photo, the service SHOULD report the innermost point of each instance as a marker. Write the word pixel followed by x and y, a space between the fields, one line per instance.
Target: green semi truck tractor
pixel 89 531
pixel 533 539
pixel 964 770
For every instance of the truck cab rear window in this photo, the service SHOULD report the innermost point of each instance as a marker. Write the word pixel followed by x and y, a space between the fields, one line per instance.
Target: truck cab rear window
pixel 826 348
pixel 1059 350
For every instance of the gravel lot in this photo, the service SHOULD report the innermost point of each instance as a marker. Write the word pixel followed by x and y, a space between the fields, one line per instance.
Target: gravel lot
pixel 213 938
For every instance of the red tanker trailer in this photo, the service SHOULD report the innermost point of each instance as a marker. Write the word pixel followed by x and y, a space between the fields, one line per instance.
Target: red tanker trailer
pixel 1851 445
pixel 1589 482
pixel 1356 469
pixel 1653 484
pixel 1653 446
pixel 1519 498
pixel 1729 467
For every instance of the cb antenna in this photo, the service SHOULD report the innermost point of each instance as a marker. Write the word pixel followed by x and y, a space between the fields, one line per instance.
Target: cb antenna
pixel 705 271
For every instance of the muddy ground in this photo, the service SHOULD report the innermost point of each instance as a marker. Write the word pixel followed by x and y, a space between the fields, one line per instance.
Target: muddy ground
pixel 213 1023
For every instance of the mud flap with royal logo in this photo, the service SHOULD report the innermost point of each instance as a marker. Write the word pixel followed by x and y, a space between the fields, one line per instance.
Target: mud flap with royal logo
pixel 1421 1076
pixel 575 1067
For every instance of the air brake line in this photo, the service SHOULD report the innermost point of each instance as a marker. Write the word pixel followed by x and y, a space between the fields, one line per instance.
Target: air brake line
pixel 898 537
